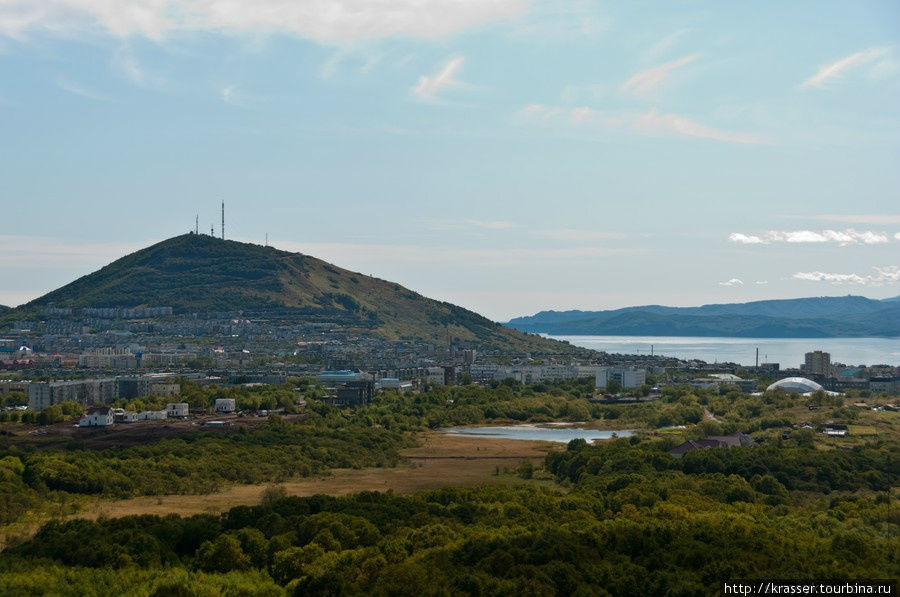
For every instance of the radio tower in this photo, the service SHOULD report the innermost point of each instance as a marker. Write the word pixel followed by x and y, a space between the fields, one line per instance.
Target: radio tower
pixel 197 224
pixel 223 220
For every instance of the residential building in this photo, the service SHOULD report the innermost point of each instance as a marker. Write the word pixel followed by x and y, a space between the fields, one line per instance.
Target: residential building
pixel 713 441
pixel 101 416
pixel 224 405
pixel 177 410
pixel 817 363
pixel 627 377
pixel 84 391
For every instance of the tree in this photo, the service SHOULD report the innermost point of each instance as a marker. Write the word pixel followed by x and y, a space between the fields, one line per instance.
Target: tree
pixel 222 555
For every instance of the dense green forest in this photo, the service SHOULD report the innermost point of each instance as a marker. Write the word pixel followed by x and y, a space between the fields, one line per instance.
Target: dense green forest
pixel 633 521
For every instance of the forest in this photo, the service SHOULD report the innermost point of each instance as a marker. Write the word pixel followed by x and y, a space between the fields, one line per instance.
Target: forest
pixel 628 520
pixel 619 518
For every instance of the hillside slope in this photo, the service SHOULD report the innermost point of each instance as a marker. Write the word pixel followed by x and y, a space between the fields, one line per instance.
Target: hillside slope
pixel 844 316
pixel 198 273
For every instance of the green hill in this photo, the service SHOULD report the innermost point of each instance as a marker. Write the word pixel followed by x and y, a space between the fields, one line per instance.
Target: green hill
pixel 815 317
pixel 197 273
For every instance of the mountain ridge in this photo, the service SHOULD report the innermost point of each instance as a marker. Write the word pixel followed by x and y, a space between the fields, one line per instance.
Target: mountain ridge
pixel 843 316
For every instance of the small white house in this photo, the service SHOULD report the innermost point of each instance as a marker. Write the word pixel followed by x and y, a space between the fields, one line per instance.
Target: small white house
pixel 152 415
pixel 225 405
pixel 126 416
pixel 100 416
pixel 177 410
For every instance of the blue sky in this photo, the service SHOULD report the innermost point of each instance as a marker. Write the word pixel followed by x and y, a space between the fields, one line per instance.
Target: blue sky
pixel 505 155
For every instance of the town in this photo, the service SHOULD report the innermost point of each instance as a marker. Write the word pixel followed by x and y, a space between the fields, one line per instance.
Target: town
pixel 97 356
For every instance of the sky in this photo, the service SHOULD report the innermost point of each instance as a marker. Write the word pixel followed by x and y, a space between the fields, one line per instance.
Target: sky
pixel 505 155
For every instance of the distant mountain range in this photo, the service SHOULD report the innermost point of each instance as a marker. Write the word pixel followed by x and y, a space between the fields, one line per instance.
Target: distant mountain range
pixel 196 273
pixel 819 317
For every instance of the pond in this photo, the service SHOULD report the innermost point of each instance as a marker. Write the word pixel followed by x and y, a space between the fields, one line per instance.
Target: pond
pixel 534 432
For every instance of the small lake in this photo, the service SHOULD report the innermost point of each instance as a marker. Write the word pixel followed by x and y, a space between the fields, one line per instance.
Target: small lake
pixel 533 432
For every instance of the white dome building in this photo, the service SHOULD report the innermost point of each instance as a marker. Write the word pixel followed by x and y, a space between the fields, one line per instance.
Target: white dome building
pixel 795 384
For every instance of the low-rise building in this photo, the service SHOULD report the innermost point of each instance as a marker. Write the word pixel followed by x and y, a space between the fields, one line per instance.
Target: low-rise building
pixel 177 410
pixel 100 416
pixel 152 415
pixel 224 405
pixel 713 441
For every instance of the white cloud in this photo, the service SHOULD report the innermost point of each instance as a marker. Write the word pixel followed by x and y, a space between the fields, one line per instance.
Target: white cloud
pixel 842 237
pixel 228 94
pixel 77 89
pixel 883 275
pixel 732 282
pixel 652 78
pixel 837 68
pixel 857 218
pixel 651 123
pixel 745 239
pixel 326 21
pixel 430 85
pixel 762 282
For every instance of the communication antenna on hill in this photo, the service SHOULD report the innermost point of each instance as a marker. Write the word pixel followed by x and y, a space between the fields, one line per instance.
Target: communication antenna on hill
pixel 267 239
pixel 223 220
pixel 212 231
pixel 197 224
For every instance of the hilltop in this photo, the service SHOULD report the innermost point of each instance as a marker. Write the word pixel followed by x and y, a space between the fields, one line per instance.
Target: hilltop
pixel 816 317
pixel 196 273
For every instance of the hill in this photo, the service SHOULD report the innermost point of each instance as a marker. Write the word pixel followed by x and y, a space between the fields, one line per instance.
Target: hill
pixel 817 317
pixel 197 273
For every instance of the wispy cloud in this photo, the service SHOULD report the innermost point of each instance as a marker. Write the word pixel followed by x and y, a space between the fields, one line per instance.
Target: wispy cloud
pixel 492 224
pixel 326 21
pixel 229 95
pixel 883 219
pixel 660 47
pixel 836 69
pixel 652 123
pixel 19 251
pixel 761 282
pixel 365 255
pixel 883 275
pixel 430 85
pixel 571 234
pixel 732 282
pixel 126 64
pixel 650 79
pixel 78 89
pixel 841 237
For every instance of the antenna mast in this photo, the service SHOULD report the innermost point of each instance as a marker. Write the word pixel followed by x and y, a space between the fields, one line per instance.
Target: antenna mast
pixel 223 220
pixel 197 224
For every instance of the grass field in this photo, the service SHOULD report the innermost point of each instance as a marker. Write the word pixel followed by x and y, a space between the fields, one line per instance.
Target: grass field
pixel 862 430
pixel 440 461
